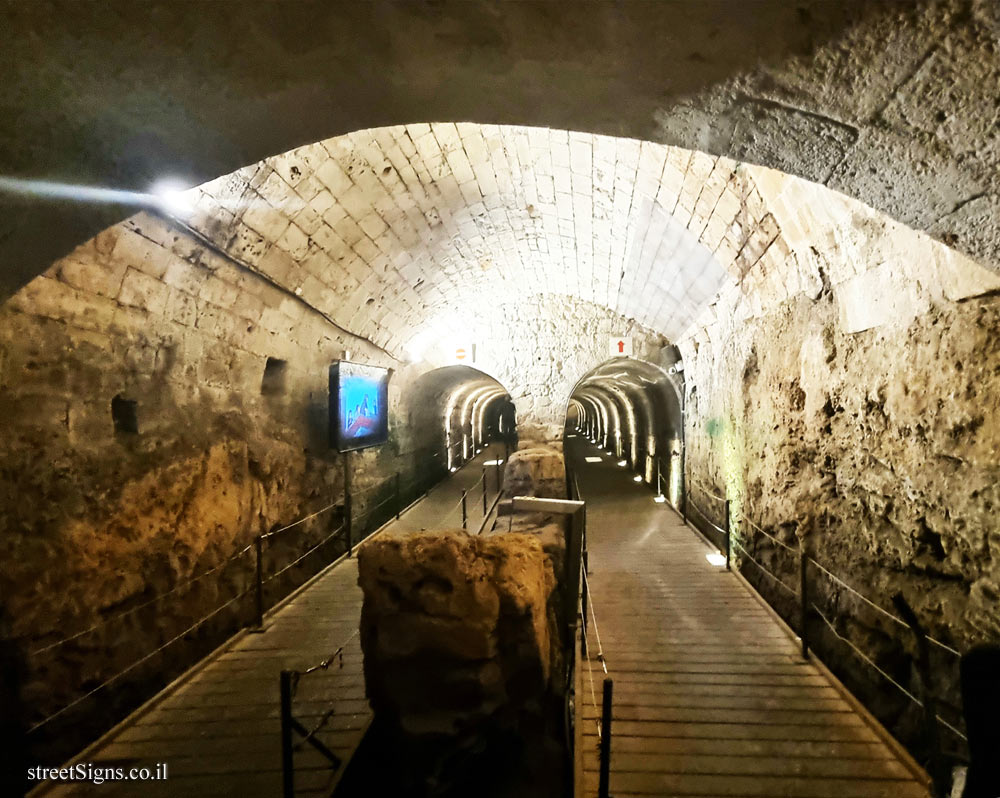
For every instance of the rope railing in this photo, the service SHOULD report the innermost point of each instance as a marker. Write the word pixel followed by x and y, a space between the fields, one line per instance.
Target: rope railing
pixel 586 646
pixel 896 619
pixel 336 533
pixel 705 517
pixel 132 610
pixel 288 684
pixel 604 716
pixel 701 486
pixel 931 715
pixel 769 536
pixel 145 658
pixel 763 569
pixel 457 507
pixel 865 657
pixel 255 586
pixel 861 654
pixel 462 506
pixel 489 513
pixel 294 524
pixel 733 541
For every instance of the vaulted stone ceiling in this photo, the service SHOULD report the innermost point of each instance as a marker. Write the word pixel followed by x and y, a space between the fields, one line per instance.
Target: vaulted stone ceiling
pixel 891 103
pixel 414 231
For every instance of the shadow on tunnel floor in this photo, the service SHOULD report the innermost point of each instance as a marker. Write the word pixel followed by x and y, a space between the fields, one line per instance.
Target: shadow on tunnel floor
pixel 516 762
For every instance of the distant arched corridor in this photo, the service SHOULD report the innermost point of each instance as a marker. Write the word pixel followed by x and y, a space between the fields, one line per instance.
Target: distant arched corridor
pixel 402 363
pixel 634 410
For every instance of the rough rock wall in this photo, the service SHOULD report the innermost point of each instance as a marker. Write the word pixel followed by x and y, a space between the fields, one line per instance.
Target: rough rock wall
pixel 540 346
pixel 535 471
pixel 459 646
pixel 98 518
pixel 859 417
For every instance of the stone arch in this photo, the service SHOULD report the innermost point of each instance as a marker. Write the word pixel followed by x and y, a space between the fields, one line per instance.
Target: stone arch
pixel 444 402
pixel 814 92
pixel 649 396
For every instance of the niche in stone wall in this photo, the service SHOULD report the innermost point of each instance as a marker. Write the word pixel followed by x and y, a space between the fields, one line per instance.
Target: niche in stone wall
pixel 273 381
pixel 124 414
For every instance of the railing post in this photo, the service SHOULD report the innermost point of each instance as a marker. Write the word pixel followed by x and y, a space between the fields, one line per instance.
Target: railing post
pixel 804 594
pixel 498 473
pixel 659 483
pixel 667 480
pixel 684 490
pixel 729 533
pixel 583 607
pixel 399 498
pixel 348 504
pixel 287 754
pixel 484 492
pixel 259 587
pixel 604 782
pixel 938 769
pixel 465 515
pixel 573 563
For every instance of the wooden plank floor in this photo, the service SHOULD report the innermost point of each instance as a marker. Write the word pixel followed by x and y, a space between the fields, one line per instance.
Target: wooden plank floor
pixel 711 697
pixel 218 731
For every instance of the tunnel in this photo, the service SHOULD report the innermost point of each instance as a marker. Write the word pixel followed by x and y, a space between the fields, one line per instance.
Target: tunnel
pixel 632 409
pixel 463 404
pixel 617 384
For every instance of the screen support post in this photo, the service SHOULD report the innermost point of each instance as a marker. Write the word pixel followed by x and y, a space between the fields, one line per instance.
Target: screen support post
pixel 348 508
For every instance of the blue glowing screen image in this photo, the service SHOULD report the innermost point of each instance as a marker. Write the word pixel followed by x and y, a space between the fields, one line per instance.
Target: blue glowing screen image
pixel 360 393
pixel 359 406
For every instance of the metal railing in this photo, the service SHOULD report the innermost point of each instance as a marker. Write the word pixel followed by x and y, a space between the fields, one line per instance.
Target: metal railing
pixel 466 506
pixel 743 545
pixel 292 727
pixel 586 607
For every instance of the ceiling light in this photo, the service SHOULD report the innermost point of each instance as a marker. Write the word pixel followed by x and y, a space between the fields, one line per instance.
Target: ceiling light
pixel 637 478
pixel 173 197
pixel 623 463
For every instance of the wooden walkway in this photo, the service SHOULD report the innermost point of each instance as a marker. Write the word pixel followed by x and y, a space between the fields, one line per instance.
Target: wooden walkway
pixel 217 728
pixel 711 696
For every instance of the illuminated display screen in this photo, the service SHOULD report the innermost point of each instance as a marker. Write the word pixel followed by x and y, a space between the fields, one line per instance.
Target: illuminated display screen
pixel 359 406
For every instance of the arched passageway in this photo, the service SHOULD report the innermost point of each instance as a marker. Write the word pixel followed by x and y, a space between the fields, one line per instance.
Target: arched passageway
pixel 633 410
pixel 460 408
pixel 473 261
pixel 836 314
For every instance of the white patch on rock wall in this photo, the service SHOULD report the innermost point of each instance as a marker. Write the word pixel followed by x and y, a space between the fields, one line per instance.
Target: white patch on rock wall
pixel 878 297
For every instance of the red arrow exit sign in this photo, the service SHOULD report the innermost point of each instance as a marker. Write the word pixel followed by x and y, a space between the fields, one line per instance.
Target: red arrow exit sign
pixel 620 346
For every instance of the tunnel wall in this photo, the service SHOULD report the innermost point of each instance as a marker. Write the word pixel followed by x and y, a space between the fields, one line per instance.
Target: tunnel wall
pixel 98 520
pixel 857 415
pixel 542 345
